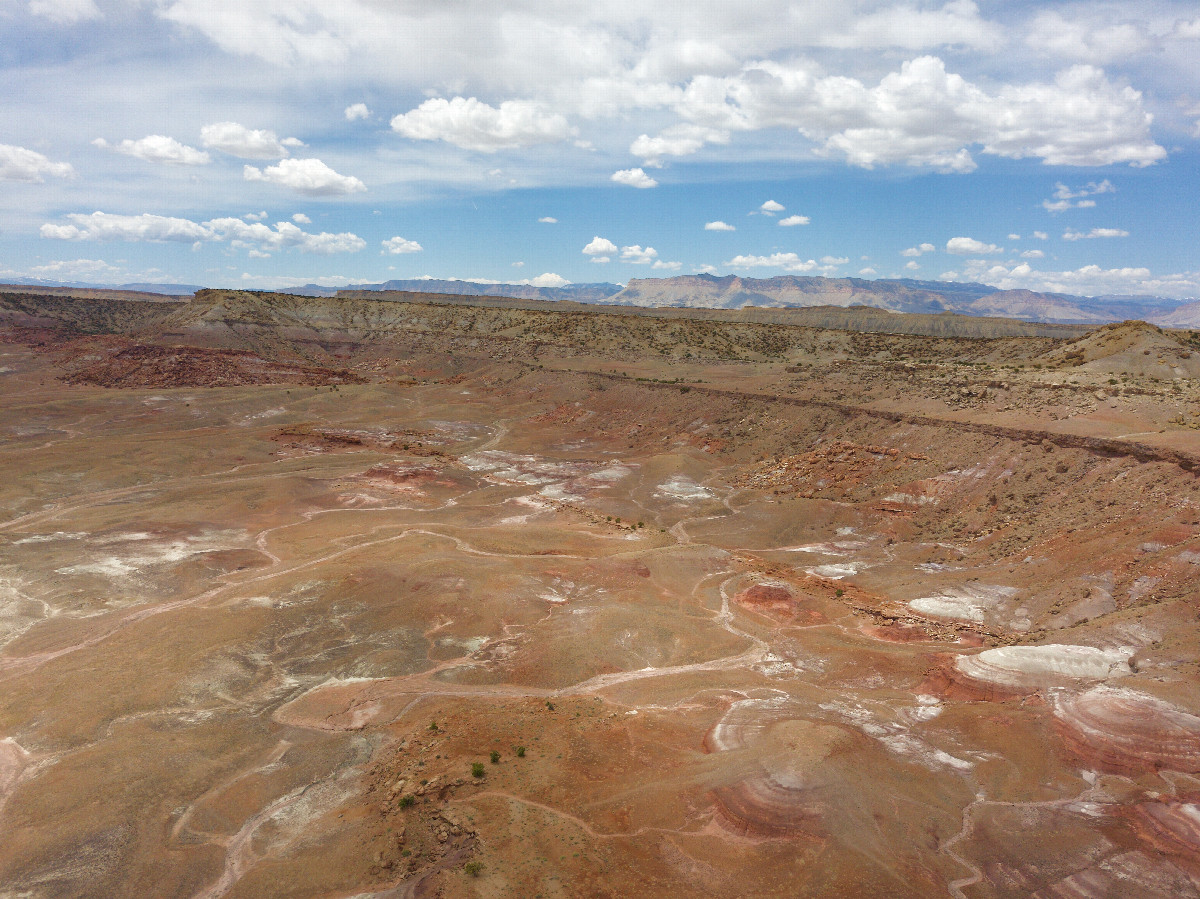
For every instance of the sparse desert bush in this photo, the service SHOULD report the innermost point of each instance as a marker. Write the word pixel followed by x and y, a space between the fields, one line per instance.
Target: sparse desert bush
pixel 472 869
pixel 520 752
pixel 495 757
pixel 477 769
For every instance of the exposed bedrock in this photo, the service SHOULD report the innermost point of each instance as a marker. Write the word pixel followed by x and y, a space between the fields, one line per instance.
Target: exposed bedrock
pixel 1128 732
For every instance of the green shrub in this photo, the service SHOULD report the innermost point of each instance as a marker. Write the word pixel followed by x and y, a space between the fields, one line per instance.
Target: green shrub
pixel 477 769
pixel 407 799
pixel 495 757
pixel 472 869
pixel 520 752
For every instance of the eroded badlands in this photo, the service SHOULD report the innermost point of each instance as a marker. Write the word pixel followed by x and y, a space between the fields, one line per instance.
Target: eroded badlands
pixel 752 622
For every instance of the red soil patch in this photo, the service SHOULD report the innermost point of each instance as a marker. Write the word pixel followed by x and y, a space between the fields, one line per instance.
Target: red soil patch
pixel 777 602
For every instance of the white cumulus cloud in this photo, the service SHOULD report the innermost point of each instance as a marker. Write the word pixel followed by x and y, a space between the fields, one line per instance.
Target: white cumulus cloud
pixel 967 246
pixel 771 207
pixel 158 148
pixel 634 178
pixel 956 23
pixel 793 220
pixel 306 176
pixel 395 246
pixel 1033 254
pixel 75 268
pixel 65 12
pixel 677 140
pixel 473 125
pixel 718 226
pixel 1090 280
pixel 246 143
pixel 787 261
pixel 919 250
pixel 926 116
pixel 548 220
pixel 1089 41
pixel 357 111
pixel 549 279
pixel 283 236
pixel 600 246
pixel 299 218
pixel 638 255
pixel 1094 233
pixel 668 266
pixel 101 226
pixel 19 164
pixel 1065 198
pixel 105 226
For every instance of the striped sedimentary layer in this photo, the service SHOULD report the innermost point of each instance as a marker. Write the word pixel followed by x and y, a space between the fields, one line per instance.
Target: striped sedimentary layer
pixel 1128 732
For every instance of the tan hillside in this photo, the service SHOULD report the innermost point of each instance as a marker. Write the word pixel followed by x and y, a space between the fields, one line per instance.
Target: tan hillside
pixel 1132 348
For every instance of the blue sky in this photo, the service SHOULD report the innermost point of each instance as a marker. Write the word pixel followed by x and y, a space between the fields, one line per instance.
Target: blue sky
pixel 1051 146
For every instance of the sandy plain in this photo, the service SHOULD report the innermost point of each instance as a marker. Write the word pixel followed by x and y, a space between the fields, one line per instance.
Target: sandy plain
pixel 798 622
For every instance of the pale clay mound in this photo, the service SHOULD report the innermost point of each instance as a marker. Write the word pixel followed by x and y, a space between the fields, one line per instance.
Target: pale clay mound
pixel 683 488
pixel 971 602
pixel 1040 666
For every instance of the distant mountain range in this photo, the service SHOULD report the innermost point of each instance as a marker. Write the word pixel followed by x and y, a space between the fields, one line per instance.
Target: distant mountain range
pixel 579 293
pixel 895 295
pixel 900 295
pixel 734 292
pixel 167 290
